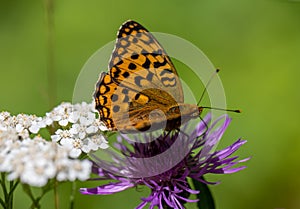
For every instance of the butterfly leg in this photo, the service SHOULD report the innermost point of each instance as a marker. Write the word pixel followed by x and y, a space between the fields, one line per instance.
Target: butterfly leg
pixel 206 128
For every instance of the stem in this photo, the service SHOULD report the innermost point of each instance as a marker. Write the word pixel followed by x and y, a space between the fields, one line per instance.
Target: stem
pixel 56 198
pixel 2 203
pixel 35 201
pixel 3 185
pixel 7 203
pixel 51 74
pixel 72 196
pixel 12 187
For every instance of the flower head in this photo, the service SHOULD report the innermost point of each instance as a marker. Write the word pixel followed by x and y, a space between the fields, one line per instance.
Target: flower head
pixel 36 161
pixel 80 131
pixel 27 156
pixel 165 164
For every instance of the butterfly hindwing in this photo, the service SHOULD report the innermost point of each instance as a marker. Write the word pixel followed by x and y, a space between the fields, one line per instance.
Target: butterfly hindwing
pixel 122 108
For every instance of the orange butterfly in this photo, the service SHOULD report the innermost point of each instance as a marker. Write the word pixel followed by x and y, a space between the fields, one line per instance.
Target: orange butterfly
pixel 142 90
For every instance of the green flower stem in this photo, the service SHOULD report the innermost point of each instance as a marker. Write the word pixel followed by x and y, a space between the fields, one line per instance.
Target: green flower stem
pixel 56 197
pixel 12 187
pixel 7 202
pixel 72 196
pixel 36 200
pixel 3 185
pixel 2 203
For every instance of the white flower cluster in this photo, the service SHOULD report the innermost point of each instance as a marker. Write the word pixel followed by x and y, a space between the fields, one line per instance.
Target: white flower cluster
pixel 35 161
pixel 80 131
pixel 25 155
pixel 23 124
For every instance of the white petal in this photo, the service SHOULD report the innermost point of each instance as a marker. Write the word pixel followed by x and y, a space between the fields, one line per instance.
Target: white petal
pixel 55 138
pixel 19 128
pixel 67 142
pixel 63 122
pixel 56 117
pixel 48 121
pixel 81 135
pixel 73 117
pixel 74 129
pixel 74 153
pixel 91 129
pixel 34 129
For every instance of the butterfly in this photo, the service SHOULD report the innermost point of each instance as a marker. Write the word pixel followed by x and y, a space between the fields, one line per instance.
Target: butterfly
pixel 142 90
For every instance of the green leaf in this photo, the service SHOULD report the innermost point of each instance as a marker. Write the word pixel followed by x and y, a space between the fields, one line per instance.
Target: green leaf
pixel 206 200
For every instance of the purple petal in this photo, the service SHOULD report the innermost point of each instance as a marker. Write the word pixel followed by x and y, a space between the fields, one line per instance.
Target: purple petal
pixel 142 205
pixel 230 149
pixel 108 188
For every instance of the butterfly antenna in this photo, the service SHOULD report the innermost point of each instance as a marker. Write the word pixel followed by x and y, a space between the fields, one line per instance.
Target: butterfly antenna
pixel 206 86
pixel 222 109
pixel 205 90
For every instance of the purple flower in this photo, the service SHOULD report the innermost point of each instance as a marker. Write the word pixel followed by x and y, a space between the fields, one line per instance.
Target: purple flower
pixel 165 164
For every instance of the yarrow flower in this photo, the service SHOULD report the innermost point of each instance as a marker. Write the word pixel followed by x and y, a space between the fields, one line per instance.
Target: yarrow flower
pixel 35 161
pixel 165 164
pixel 62 114
pixel 27 156
pixel 80 131
pixel 23 124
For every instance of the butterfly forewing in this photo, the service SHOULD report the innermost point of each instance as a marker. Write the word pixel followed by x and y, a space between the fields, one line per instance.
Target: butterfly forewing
pixel 140 60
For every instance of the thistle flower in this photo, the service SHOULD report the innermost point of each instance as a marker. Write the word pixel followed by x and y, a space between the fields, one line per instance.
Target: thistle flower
pixel 165 164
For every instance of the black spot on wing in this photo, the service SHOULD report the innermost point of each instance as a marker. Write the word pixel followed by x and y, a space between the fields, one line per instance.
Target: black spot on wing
pixel 104 111
pixel 135 40
pixel 115 72
pixel 146 64
pixel 116 108
pixel 137 80
pixel 137 96
pixel 114 97
pixel 165 71
pixel 126 99
pixel 149 77
pixel 132 66
pixel 104 98
pixel 125 74
pixel 169 82
pixel 134 56
pixel 125 91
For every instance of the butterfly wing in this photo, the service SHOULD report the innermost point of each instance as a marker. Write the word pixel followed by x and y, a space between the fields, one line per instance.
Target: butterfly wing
pixel 142 78
pixel 140 61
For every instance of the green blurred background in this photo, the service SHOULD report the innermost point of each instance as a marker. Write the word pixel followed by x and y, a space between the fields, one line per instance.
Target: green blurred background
pixel 256 43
